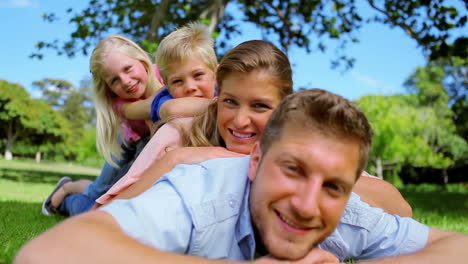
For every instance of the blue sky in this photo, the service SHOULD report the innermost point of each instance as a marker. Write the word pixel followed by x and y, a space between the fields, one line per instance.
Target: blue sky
pixel 384 58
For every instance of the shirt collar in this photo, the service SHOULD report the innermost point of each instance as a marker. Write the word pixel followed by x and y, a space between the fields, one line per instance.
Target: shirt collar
pixel 244 231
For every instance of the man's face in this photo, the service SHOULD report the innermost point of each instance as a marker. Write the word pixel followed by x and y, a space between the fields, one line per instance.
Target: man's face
pixel 300 188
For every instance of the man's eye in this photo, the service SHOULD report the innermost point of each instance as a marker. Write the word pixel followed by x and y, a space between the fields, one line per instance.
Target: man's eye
pixel 334 188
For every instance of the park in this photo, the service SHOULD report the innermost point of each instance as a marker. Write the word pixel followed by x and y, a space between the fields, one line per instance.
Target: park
pixel 420 145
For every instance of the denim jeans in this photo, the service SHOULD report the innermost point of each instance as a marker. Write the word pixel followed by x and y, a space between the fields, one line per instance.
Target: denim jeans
pixel 82 202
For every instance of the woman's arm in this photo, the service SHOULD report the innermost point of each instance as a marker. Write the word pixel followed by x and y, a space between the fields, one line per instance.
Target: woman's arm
pixel 382 194
pixel 186 155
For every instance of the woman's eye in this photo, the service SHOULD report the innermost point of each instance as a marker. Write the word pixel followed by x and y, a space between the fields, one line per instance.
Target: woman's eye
pixel 261 105
pixel 229 101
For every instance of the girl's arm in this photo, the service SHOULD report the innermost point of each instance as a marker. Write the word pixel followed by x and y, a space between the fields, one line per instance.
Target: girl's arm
pixel 184 107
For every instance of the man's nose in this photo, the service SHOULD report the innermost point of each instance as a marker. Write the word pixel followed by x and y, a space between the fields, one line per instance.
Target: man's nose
pixel 307 199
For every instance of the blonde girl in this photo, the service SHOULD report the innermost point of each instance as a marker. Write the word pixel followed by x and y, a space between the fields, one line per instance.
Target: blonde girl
pixel 124 87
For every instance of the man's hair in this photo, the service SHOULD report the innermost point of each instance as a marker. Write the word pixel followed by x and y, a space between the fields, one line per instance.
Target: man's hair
pixel 191 39
pixel 326 113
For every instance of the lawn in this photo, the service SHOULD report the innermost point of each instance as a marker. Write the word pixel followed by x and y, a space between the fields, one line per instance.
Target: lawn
pixel 24 185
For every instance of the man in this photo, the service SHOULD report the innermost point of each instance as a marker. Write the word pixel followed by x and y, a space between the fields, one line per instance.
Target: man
pixel 275 206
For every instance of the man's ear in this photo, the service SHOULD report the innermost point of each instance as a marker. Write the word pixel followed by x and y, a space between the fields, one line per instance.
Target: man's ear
pixel 255 156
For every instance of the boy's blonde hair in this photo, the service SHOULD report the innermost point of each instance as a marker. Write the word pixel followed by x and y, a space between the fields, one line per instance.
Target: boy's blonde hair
pixel 245 58
pixel 109 123
pixel 191 39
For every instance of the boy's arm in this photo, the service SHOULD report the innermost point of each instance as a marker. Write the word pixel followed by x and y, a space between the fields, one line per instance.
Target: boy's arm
pixel 140 109
pixel 94 237
pixel 184 107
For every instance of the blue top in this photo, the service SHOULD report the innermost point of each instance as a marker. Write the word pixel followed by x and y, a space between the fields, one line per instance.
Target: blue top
pixel 158 101
pixel 202 210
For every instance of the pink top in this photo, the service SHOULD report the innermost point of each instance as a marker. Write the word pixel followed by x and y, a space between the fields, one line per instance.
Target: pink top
pixel 165 139
pixel 132 129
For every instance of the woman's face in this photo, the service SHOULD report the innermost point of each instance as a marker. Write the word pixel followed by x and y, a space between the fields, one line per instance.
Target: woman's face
pixel 245 104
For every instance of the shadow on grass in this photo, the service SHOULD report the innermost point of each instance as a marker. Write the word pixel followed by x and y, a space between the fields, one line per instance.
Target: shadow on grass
pixel 19 223
pixel 34 176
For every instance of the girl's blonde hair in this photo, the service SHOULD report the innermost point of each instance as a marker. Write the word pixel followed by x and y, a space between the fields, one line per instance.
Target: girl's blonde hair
pixel 108 122
pixel 244 58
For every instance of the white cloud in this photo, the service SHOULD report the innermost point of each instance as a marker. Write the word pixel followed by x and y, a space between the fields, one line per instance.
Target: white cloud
pixel 367 80
pixel 19 3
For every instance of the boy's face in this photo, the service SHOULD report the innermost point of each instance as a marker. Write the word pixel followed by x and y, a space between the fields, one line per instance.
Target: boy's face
pixel 191 78
pixel 300 188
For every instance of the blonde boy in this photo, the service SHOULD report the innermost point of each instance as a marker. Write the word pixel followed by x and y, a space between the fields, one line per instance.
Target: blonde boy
pixel 187 62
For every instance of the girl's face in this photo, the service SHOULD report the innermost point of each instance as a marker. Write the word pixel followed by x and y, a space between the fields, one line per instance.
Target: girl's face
pixel 126 77
pixel 245 104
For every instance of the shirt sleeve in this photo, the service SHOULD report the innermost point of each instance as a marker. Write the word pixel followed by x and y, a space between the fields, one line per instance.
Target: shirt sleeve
pixel 162 97
pixel 367 232
pixel 156 218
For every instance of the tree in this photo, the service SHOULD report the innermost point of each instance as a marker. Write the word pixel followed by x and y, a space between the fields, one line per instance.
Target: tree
pixel 439 85
pixel 75 105
pixel 301 23
pixel 28 119
pixel 407 133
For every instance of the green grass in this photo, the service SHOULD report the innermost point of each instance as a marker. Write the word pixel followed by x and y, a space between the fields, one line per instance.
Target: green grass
pixel 24 185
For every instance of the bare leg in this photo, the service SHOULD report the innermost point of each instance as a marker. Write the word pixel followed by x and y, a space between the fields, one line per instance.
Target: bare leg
pixel 66 189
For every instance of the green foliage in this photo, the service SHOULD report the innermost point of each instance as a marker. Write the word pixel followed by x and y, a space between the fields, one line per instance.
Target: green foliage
pixel 304 24
pixel 407 133
pixel 29 120
pixel 75 105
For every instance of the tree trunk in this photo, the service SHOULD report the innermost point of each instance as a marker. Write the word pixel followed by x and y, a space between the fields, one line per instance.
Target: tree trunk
pixel 9 149
pixel 446 179
pixel 214 11
pixel 379 169
pixel 160 13
pixel 38 157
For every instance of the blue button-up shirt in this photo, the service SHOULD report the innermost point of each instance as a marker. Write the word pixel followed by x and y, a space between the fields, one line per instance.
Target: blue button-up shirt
pixel 202 210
